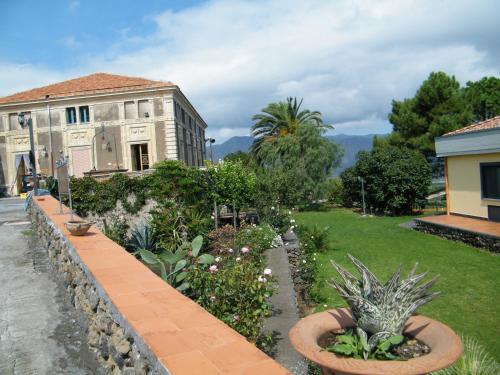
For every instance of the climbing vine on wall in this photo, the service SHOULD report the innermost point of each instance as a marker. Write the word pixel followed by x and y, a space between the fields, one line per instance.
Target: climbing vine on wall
pixel 171 180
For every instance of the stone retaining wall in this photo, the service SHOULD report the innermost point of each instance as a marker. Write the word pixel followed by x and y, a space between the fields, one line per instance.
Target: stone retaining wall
pixel 108 335
pixel 471 238
pixel 137 323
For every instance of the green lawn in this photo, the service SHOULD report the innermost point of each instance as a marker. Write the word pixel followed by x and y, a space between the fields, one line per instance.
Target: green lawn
pixel 469 282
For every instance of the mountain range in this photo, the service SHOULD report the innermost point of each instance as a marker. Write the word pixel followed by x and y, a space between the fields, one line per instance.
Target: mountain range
pixel 351 144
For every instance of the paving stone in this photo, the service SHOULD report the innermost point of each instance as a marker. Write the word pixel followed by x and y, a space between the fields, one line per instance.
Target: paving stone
pixel 40 332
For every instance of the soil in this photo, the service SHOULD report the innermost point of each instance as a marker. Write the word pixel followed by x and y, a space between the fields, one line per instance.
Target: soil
pixel 410 348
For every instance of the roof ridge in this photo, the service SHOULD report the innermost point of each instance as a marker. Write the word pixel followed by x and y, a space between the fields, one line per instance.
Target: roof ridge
pixel 99 82
pixel 490 123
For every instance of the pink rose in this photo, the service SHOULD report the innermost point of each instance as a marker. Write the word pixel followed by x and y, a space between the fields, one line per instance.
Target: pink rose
pixel 213 268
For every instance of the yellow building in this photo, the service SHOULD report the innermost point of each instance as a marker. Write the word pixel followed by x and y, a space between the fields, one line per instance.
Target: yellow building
pixel 472 170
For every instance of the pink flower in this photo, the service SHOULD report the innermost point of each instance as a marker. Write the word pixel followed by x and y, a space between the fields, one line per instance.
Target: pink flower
pixel 212 298
pixel 237 317
pixel 213 268
pixel 190 253
pixel 268 271
pixel 245 250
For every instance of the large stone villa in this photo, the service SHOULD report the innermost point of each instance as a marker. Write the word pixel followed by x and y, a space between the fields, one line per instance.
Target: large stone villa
pixel 102 122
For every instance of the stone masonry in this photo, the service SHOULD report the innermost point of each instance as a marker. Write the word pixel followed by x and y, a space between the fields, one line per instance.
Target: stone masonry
pixel 108 335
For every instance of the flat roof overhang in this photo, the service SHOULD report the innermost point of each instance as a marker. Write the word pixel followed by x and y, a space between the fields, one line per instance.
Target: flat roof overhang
pixel 479 142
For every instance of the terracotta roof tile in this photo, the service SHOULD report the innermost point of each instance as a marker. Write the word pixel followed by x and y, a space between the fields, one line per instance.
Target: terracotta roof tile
pixel 492 123
pixel 92 84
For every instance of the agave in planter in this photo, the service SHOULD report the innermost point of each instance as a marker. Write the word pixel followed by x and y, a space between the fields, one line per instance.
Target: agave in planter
pixel 381 310
pixel 379 315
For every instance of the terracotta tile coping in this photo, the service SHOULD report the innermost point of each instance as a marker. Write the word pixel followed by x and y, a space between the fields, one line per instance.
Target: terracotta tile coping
pixel 180 333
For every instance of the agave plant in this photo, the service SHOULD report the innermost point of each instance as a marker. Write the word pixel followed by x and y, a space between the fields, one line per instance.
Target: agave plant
pixel 380 311
pixel 142 237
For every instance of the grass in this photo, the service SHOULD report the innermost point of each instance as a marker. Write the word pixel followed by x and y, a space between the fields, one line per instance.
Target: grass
pixel 469 282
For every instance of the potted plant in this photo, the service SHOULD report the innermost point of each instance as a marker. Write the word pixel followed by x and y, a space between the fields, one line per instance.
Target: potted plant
pixel 377 332
pixel 78 227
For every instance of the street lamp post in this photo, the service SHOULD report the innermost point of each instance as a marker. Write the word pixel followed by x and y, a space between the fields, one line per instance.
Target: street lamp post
pixel 210 141
pixel 26 121
pixel 363 194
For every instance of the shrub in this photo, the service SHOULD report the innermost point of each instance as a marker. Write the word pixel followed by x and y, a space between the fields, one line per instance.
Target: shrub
pixel 396 179
pixel 116 229
pixel 313 238
pixel 232 184
pixel 334 191
pixel 236 292
pixel 173 180
pixel 174 223
pixel 256 237
pixel 280 219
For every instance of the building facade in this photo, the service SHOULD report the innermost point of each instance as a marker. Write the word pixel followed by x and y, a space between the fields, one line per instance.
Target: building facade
pixel 101 122
pixel 472 169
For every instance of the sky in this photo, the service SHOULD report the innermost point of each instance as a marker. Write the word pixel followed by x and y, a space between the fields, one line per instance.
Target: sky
pixel 346 59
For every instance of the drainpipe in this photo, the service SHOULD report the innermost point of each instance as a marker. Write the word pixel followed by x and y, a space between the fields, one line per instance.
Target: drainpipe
pixel 50 139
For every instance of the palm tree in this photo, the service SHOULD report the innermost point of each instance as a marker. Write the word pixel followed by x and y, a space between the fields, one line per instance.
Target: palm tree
pixel 281 119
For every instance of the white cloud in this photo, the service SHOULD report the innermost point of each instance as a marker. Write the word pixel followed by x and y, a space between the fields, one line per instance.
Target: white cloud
pixel 71 42
pixel 348 59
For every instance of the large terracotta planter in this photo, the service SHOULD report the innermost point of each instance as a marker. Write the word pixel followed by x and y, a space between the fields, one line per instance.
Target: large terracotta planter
pixel 445 345
pixel 78 227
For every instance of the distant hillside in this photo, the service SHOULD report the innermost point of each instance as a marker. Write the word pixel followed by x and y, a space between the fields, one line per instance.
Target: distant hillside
pixel 352 144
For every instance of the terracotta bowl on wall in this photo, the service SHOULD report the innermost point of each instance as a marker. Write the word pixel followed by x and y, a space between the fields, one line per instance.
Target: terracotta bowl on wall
pixel 78 227
pixel 445 345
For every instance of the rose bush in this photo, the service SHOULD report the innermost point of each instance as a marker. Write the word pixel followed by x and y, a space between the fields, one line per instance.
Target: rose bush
pixel 235 290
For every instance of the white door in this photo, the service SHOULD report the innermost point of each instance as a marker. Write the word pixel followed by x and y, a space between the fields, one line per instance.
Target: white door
pixel 80 160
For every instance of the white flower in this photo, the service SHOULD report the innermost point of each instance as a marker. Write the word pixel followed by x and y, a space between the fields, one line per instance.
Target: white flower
pixel 312 236
pixel 245 249
pixel 289 212
pixel 212 217
pixel 261 279
pixel 272 208
pixel 212 298
pixel 213 268
pixel 230 250
pixel 268 271
pixel 238 259
pixel 303 261
pixel 325 305
pixel 292 220
pixel 218 259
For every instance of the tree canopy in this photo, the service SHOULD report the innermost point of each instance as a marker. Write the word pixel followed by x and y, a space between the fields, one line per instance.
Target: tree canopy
pixel 439 106
pixel 484 97
pixel 281 119
pixel 295 167
pixel 396 180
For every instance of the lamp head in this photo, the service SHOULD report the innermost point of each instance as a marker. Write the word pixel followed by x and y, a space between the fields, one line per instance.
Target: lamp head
pixel 21 119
